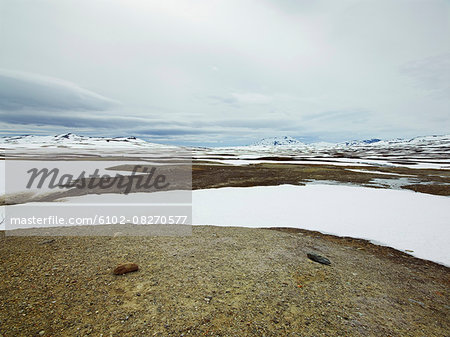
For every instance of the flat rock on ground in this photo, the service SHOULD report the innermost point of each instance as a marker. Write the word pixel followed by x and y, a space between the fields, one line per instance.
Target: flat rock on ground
pixel 219 282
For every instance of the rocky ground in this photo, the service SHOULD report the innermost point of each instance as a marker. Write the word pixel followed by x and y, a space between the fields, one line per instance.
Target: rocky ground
pixel 218 282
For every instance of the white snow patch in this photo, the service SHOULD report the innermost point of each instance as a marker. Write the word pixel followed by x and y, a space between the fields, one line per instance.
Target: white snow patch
pixel 399 219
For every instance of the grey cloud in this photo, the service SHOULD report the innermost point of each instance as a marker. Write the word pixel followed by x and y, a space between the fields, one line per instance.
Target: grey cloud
pixel 40 118
pixel 297 6
pixel 431 73
pixel 65 121
pixel 231 101
pixel 242 98
pixel 135 125
pixel 23 91
pixel 172 131
pixel 336 116
pixel 263 123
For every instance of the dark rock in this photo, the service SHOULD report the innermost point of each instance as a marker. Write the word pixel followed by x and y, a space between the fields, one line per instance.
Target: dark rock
pixel 125 268
pixel 46 242
pixel 318 258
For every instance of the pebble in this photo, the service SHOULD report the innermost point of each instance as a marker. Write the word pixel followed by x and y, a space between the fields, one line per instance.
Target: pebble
pixel 317 258
pixel 46 242
pixel 125 268
pixel 416 302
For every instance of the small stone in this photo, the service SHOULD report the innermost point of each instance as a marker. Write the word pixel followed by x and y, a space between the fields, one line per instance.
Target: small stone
pixel 41 333
pixel 416 302
pixel 46 242
pixel 208 299
pixel 318 258
pixel 125 268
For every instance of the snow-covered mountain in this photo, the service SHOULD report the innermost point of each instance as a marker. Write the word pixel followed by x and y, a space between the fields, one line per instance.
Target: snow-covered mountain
pixel 425 152
pixel 361 142
pixel 278 141
pixel 417 142
pixel 70 145
pixel 283 143
pixel 371 143
pixel 71 140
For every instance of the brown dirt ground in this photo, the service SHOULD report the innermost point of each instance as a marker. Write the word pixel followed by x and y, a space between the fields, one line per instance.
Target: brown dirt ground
pixel 221 281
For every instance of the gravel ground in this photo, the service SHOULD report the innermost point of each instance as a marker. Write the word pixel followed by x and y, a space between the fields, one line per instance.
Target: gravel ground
pixel 221 281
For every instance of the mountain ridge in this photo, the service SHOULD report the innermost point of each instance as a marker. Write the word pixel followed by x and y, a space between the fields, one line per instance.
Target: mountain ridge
pixel 372 142
pixel 279 141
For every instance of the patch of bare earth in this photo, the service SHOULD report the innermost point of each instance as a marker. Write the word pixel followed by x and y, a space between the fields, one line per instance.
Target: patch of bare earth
pixel 218 282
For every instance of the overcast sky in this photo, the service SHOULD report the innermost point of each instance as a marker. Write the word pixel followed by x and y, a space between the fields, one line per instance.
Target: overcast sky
pixel 225 72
